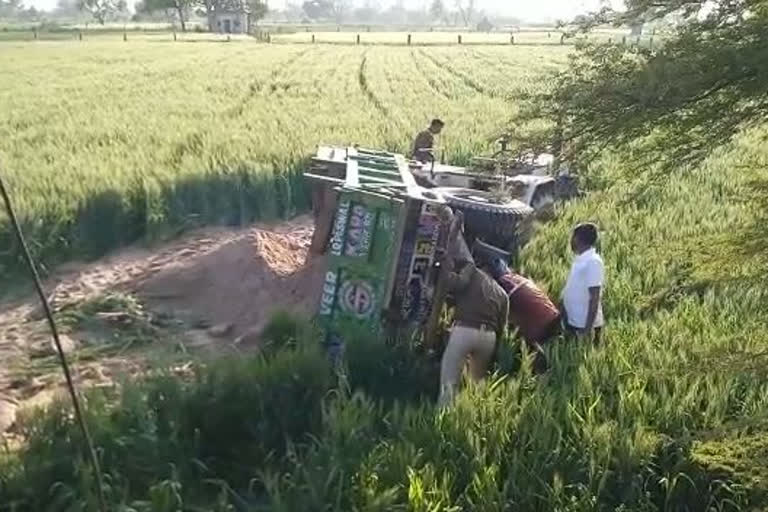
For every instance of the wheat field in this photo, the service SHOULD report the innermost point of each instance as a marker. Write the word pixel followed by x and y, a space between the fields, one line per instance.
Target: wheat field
pixel 106 143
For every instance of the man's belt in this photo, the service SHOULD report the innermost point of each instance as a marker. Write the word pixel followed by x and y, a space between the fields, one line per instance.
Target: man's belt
pixel 480 326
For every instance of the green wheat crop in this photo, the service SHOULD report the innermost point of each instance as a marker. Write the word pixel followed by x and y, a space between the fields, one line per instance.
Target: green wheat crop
pixel 106 143
pixel 669 414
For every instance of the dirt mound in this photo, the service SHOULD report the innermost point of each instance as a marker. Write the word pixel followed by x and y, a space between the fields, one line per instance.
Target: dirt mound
pixel 231 280
pixel 240 281
pixel 284 254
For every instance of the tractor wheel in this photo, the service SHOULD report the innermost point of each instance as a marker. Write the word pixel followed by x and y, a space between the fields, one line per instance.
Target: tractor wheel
pixel 496 221
pixel 566 187
pixel 543 201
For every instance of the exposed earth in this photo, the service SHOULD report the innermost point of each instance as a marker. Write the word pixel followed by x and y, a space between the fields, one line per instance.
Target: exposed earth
pixel 210 292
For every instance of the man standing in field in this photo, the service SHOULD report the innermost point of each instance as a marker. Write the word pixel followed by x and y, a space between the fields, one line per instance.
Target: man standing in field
pixel 531 311
pixel 582 296
pixel 480 316
pixel 424 143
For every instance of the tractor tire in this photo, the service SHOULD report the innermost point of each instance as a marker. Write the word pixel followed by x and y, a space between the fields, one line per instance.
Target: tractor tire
pixel 489 219
pixel 566 187
pixel 543 201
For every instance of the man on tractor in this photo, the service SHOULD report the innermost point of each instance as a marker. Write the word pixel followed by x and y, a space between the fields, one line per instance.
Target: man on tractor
pixel 424 143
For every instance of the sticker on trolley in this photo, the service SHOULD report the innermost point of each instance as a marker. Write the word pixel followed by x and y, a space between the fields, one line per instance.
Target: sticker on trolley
pixel 359 232
pixel 329 292
pixel 357 298
pixel 339 227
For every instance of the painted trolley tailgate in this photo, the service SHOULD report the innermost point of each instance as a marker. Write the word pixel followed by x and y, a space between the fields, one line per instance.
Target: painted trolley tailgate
pixel 364 241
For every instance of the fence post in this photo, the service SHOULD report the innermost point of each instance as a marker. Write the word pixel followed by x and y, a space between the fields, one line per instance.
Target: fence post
pixel 409 39
pixel 357 39
pixel 562 39
pixel 35 33
pixel 511 38
pixel 459 38
pixel 174 35
pixel 80 36
pixel 650 43
pixel 313 38
pixel 125 36
pixel 610 40
pixel 623 40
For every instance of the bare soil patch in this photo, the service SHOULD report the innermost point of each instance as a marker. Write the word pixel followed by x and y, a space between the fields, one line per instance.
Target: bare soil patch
pixel 205 292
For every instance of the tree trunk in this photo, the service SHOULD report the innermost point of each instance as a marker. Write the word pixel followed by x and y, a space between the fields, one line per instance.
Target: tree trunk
pixel 209 14
pixel 183 24
pixel 470 12
pixel 180 11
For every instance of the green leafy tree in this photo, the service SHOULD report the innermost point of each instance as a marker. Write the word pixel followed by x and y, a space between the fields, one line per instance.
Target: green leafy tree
pixel 10 8
pixel 666 108
pixel 257 9
pixel 686 97
pixel 101 10
pixel 437 10
pixel 466 9
pixel 179 8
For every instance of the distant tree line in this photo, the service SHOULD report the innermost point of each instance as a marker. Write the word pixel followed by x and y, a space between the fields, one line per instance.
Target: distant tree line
pixel 448 13
pixel 15 10
pixel 459 13
pixel 103 11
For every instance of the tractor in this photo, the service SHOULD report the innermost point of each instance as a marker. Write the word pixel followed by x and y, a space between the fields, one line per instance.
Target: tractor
pixel 384 222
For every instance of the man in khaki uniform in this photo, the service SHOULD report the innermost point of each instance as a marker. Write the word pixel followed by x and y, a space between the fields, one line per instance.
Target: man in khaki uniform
pixel 480 318
pixel 424 143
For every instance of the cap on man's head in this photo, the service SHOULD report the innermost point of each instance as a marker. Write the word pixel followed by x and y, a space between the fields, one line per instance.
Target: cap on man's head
pixel 437 122
pixel 498 268
pixel 586 233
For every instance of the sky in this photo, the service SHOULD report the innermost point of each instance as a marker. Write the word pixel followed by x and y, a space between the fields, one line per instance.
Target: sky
pixel 527 10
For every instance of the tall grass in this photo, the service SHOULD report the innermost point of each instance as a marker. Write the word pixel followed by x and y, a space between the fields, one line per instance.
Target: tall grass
pixel 669 414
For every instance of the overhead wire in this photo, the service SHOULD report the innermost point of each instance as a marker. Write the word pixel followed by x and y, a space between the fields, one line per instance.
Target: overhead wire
pixel 79 418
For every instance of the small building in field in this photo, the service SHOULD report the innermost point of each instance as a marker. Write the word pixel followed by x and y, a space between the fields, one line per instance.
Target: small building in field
pixel 231 21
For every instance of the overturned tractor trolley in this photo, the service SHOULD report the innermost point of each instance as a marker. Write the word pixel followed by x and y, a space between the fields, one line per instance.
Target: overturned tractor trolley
pixel 382 235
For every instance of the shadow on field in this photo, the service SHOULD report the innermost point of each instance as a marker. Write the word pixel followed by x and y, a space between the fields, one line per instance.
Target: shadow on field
pixel 153 210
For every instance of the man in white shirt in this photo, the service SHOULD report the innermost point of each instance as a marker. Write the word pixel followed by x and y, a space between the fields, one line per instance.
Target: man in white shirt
pixel 582 296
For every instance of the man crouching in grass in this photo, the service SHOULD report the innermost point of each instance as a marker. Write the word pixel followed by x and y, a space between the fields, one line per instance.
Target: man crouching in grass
pixel 480 317
pixel 582 296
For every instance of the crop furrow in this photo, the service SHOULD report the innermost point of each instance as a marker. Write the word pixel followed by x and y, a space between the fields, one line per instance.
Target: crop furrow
pixel 258 85
pixel 367 91
pixel 458 74
pixel 429 78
